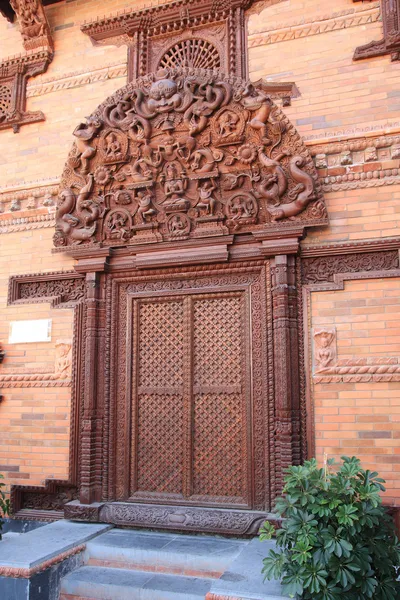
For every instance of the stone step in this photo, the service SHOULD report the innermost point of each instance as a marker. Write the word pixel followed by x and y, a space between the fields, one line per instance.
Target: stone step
pixel 99 583
pixel 195 556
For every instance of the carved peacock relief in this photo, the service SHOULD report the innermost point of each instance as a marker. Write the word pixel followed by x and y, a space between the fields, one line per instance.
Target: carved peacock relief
pixel 186 153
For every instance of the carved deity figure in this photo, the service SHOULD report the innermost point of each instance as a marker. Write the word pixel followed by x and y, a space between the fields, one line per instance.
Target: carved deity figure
pixel 227 123
pixel 112 147
pixel 63 359
pixel 207 200
pixel 325 350
pixel 163 96
pixel 117 225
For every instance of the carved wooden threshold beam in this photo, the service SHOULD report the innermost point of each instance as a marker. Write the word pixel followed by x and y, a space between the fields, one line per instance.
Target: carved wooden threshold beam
pixel 390 44
pixel 14 74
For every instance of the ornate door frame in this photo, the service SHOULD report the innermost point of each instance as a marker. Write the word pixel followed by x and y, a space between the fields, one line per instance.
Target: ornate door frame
pixel 277 435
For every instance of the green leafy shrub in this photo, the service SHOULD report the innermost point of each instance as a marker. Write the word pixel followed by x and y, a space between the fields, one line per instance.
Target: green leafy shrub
pixel 4 504
pixel 336 536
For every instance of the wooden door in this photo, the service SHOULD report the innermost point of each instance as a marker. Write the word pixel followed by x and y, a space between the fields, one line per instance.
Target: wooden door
pixel 190 403
pixel 189 424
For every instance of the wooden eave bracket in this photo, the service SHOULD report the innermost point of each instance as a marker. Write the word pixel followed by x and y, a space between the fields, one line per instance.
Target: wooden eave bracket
pixel 34 26
pixel 390 44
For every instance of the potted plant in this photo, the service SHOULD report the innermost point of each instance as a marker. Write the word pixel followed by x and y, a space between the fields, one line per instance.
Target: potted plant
pixel 336 537
pixel 4 504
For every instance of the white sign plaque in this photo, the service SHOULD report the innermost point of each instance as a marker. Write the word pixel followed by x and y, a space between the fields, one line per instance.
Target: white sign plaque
pixel 22 332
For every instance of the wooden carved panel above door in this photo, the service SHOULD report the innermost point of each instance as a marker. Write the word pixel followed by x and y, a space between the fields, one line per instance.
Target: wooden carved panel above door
pixel 181 154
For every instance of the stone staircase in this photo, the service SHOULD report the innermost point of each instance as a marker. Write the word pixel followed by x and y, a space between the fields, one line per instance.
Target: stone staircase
pixel 129 565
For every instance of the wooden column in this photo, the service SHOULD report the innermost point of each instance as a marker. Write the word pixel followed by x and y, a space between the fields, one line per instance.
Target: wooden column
pixel 286 365
pixel 92 388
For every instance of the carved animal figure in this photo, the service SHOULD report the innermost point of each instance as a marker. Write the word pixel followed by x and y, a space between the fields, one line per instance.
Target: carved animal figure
pixel 82 225
pixel 274 184
pixel 84 134
pixel 208 158
pixel 210 97
pixel 303 193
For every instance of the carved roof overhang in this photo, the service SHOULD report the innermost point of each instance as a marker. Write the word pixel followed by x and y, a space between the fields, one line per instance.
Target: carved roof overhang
pixel 186 156
pixel 390 44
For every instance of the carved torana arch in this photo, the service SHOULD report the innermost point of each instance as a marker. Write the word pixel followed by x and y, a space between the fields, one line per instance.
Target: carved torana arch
pixel 186 153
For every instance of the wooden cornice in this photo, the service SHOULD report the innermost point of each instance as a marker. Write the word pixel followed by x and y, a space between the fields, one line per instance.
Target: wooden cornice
pixel 162 19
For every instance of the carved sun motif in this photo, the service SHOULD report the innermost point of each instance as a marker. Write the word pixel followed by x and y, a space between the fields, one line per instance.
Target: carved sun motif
pixel 196 53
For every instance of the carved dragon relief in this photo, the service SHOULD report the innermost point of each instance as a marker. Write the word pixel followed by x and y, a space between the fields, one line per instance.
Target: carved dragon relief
pixel 185 153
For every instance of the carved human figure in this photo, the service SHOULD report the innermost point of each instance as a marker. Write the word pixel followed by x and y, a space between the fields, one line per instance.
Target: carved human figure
pixel 146 208
pixel 112 147
pixel 207 200
pixel 179 224
pixel 84 133
pixel 63 359
pixel 227 123
pixel 325 348
pixel 174 184
pixel 262 104
pixel 117 225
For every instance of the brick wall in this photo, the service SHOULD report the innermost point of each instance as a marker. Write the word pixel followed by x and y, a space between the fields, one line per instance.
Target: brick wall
pixel 361 419
pixel 305 41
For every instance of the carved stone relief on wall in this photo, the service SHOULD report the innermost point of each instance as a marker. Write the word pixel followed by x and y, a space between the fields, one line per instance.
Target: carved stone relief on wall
pixel 185 153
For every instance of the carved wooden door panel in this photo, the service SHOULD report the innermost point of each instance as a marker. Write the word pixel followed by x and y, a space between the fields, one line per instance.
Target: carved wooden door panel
pixel 190 402
pixel 191 389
